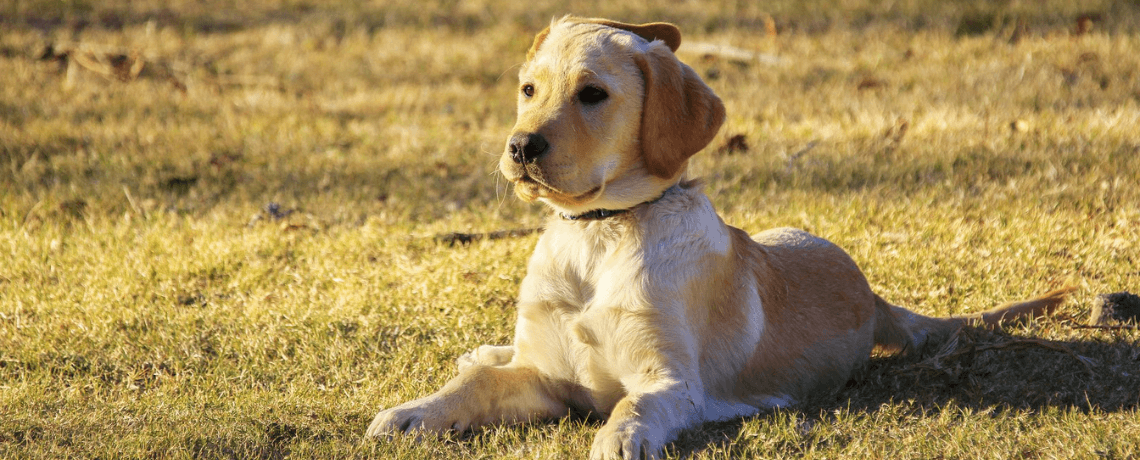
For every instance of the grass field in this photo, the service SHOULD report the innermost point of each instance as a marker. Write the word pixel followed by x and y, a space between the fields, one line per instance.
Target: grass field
pixel 217 218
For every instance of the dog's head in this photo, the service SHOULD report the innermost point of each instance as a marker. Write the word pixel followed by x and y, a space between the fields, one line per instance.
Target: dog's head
pixel 607 115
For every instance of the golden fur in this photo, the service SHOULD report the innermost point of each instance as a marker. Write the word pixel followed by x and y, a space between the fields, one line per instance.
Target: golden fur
pixel 661 317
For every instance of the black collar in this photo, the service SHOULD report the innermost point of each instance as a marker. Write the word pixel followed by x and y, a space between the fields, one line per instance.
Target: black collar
pixel 603 214
pixel 597 214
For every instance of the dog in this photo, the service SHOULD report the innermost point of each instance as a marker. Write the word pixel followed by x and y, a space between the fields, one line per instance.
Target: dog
pixel 639 304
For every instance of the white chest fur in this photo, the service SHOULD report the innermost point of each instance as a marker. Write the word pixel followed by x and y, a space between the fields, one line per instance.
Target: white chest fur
pixel 606 304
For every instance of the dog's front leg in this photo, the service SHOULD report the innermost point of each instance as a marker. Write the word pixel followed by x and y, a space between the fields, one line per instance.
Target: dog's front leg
pixel 648 417
pixel 479 395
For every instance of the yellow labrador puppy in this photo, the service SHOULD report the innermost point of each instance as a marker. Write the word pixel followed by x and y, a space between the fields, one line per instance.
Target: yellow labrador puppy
pixel 639 303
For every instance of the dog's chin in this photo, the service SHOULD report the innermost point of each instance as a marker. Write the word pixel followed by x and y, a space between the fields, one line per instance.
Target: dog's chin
pixel 530 190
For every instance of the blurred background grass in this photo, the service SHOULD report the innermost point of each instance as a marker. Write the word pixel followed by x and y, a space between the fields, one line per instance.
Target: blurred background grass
pixel 215 217
pixel 256 101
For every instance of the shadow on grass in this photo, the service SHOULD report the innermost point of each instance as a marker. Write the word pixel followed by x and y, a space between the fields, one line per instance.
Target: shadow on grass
pixel 981 370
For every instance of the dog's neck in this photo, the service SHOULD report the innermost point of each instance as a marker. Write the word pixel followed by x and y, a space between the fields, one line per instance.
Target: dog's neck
pixel 603 214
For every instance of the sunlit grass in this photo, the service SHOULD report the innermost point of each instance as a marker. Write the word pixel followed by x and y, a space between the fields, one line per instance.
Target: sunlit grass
pixel 152 305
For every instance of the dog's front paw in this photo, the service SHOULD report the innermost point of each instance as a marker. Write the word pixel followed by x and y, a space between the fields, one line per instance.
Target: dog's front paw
pixel 627 440
pixel 396 420
pixel 419 417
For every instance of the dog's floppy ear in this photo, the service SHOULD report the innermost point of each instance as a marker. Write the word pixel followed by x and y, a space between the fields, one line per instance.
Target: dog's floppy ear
pixel 681 114
pixel 663 31
pixel 538 39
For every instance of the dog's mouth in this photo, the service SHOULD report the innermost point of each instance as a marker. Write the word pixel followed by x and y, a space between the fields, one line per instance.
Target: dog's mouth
pixel 527 188
pixel 530 187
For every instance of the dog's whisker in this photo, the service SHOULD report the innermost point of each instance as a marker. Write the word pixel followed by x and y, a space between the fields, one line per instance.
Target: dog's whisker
pixel 508 69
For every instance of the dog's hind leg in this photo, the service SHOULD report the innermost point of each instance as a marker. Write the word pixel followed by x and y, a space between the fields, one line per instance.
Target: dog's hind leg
pixel 488 355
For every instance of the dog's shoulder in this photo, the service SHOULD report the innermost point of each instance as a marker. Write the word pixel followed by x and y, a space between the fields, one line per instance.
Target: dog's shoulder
pixel 683 222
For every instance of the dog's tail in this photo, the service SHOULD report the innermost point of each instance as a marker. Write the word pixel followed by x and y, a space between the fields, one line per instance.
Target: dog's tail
pixel 899 329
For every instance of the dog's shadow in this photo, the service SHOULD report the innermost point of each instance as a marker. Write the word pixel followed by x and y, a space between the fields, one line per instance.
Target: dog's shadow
pixel 978 369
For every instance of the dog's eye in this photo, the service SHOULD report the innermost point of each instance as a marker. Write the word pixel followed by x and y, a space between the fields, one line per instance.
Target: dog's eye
pixel 591 95
pixel 528 90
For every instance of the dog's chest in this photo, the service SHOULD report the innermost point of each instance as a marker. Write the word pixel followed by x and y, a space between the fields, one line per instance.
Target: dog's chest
pixel 605 301
pixel 576 309
pixel 597 309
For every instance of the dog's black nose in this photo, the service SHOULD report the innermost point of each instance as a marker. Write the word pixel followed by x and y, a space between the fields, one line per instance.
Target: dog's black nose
pixel 526 147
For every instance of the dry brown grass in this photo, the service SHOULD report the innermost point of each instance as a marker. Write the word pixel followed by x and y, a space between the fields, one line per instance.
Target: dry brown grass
pixel 964 152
